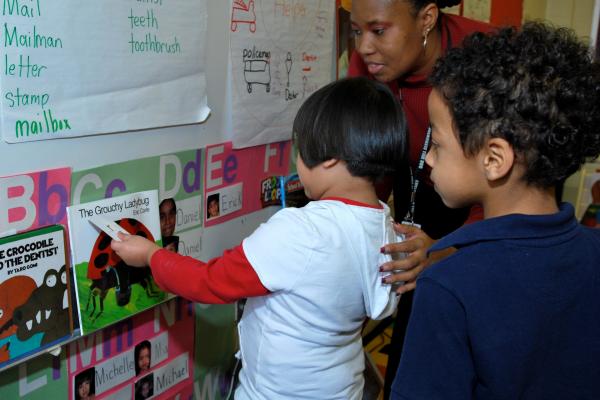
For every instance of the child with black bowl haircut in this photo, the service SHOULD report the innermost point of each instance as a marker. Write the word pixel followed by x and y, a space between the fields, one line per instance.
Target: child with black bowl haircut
pixel 311 274
pixel 515 312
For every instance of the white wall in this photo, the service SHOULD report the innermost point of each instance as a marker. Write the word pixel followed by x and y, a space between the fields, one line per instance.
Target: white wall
pixel 90 151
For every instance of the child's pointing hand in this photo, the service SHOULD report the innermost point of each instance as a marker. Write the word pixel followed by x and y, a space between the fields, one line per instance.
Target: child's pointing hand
pixel 135 250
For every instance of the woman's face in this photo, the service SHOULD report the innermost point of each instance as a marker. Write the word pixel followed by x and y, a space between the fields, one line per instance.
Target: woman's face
pixel 389 38
pixel 144 359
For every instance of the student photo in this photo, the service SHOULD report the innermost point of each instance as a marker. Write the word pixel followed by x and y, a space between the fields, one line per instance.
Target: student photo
pixel 513 313
pixel 85 385
pixel 212 206
pixel 311 275
pixel 168 217
pixel 143 357
pixel 144 387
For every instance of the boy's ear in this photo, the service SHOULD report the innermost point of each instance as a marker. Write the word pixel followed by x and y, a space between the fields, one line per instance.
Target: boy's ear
pixel 498 158
pixel 330 163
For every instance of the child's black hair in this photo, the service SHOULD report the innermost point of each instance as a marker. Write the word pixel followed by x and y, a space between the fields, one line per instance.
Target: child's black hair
pixel 88 375
pixel 355 120
pixel 537 88
pixel 418 5
pixel 167 240
pixel 169 200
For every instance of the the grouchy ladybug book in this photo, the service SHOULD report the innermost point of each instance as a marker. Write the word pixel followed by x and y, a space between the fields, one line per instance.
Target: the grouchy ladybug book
pixel 108 290
pixel 35 311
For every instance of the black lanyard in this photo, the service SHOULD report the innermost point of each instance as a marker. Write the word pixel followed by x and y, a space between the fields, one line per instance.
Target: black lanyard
pixel 409 218
pixel 415 180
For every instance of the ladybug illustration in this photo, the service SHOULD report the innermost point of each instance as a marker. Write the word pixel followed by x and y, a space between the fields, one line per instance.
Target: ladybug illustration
pixel 106 270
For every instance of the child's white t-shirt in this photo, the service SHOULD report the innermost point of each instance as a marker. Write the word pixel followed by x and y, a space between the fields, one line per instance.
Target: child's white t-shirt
pixel 321 263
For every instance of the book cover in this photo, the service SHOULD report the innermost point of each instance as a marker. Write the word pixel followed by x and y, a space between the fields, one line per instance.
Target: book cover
pixel 285 191
pixel 35 305
pixel 108 290
pixel 147 356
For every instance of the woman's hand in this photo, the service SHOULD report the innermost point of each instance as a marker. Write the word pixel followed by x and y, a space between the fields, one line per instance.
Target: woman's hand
pixel 414 246
pixel 135 250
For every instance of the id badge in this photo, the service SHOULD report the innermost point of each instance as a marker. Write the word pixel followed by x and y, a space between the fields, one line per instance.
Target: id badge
pixel 411 223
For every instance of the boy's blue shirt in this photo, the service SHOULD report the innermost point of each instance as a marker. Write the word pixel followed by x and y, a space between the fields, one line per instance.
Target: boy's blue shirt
pixel 511 227
pixel 514 313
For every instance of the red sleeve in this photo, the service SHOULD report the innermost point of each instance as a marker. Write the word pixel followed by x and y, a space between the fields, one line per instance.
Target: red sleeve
pixel 222 280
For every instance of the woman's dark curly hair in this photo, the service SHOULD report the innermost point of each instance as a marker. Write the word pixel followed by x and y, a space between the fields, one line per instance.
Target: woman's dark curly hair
pixel 537 88
pixel 418 4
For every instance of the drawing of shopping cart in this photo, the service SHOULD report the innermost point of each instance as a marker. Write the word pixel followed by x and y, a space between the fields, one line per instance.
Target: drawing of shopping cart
pixel 243 13
pixel 257 72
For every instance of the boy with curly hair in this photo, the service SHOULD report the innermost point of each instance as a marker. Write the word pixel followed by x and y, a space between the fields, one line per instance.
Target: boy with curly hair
pixel 515 312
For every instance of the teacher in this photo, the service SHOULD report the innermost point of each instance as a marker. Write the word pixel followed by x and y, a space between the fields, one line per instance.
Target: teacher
pixel 398 42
